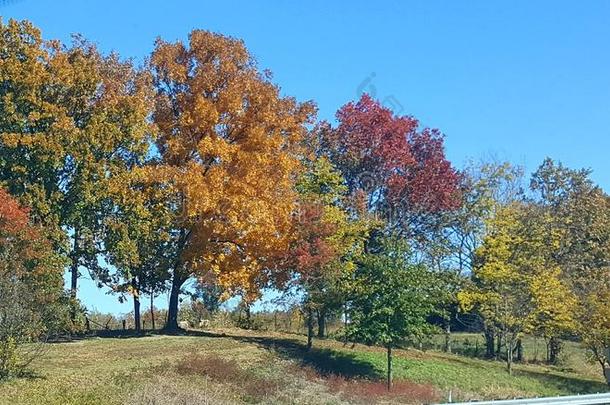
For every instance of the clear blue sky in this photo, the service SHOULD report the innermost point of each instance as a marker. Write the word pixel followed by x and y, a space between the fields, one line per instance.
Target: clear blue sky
pixel 519 80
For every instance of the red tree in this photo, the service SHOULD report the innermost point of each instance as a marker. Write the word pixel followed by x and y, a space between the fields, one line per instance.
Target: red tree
pixel 396 168
pixel 26 255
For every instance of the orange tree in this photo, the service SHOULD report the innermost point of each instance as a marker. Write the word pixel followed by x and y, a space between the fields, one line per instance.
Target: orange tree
pixel 227 151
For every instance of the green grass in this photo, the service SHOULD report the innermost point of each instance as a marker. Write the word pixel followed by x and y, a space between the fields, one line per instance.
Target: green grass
pixel 249 367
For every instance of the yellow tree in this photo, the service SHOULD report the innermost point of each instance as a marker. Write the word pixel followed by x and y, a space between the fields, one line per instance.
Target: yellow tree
pixel 228 151
pixel 516 284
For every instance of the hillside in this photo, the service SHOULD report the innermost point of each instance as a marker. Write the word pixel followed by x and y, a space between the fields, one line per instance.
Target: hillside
pixel 234 366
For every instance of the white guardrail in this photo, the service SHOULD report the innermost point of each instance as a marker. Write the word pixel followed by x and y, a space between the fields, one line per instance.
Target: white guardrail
pixel 590 399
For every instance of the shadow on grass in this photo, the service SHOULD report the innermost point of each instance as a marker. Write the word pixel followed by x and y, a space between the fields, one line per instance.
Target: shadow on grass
pixel 565 383
pixel 112 333
pixel 326 362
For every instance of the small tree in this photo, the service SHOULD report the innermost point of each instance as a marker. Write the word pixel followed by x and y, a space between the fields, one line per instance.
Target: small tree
pixel 392 298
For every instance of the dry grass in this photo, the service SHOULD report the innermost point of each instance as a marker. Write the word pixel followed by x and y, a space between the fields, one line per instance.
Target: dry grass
pixel 245 367
pixel 252 387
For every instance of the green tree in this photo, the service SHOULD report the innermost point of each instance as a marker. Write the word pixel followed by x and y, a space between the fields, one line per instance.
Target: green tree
pixel 70 119
pixel 138 241
pixel 391 298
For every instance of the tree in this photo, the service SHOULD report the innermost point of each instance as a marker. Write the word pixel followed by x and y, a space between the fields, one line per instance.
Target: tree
pixel 138 241
pixel 391 298
pixel 452 244
pixel 70 119
pixel 210 294
pixel 31 301
pixel 325 242
pixel 578 214
pixel 397 170
pixel 227 150
pixel 515 277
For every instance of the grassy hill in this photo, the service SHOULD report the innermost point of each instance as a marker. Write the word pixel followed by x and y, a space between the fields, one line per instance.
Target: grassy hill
pixel 234 366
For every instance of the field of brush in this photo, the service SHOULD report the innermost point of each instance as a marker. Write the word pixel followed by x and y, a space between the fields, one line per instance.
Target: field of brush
pixel 236 366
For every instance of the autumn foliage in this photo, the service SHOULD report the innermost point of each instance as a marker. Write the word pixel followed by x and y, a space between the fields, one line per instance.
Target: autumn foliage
pixel 196 167
pixel 228 149
pixel 391 161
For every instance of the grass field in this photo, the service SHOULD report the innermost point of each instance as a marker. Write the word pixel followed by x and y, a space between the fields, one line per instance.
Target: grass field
pixel 234 366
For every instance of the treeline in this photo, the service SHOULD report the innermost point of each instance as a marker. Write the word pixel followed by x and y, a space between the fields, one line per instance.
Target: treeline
pixel 194 167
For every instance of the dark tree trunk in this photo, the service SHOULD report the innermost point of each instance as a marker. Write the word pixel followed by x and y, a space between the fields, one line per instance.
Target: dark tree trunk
pixel 554 348
pixel 73 288
pixel 499 347
pixel 248 316
pixel 73 279
pixel 152 309
pixel 321 323
pixel 490 350
pixel 448 336
pixel 310 322
pixel 174 297
pixel 519 351
pixel 136 305
pixel 509 356
pixel 136 314
pixel 389 378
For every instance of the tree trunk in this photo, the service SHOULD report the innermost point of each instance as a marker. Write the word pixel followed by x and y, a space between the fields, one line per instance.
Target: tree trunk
pixel 499 347
pixel 309 328
pixel 136 305
pixel 248 316
pixel 321 323
pixel 447 336
pixel 73 289
pixel 152 309
pixel 136 313
pixel 519 351
pixel 490 350
pixel 554 348
pixel 345 324
pixel 172 312
pixel 389 367
pixel 509 357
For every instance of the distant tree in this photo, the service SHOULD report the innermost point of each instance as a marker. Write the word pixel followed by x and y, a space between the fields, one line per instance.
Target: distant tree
pixel 452 244
pixel 138 241
pixel 210 293
pixel 577 214
pixel 391 298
